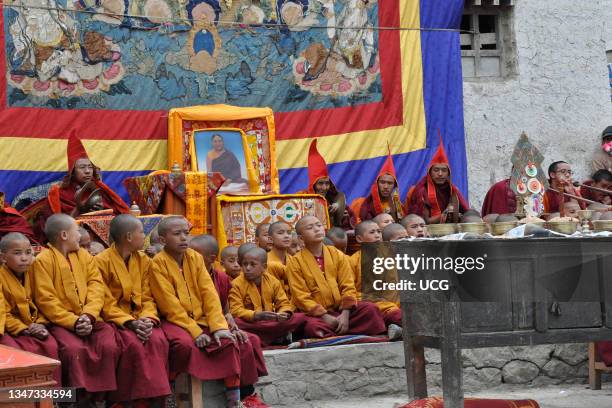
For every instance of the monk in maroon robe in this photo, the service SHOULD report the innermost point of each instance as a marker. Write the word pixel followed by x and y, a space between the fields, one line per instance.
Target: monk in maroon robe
pixel 62 198
pixel 435 197
pixel 500 199
pixel 600 179
pixel 11 220
pixel 560 179
pixel 383 197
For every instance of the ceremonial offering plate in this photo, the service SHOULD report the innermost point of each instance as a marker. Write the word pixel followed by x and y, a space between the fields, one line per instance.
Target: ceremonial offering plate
pixel 602 225
pixel 563 227
pixel 500 228
pixel 440 230
pixel 475 227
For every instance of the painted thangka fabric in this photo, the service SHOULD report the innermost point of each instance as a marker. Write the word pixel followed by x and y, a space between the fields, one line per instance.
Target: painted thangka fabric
pixel 113 69
pixel 239 216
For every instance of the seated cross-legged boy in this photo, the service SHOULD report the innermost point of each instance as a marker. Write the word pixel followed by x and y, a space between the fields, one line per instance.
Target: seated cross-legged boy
pixel 369 232
pixel 259 303
pixel 142 368
pixel 252 363
pixel 322 286
pixel 26 328
pixel 200 341
pixel 69 292
pixel 229 261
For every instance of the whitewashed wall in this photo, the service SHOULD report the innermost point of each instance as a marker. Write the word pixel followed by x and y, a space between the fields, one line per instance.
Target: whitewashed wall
pixel 560 95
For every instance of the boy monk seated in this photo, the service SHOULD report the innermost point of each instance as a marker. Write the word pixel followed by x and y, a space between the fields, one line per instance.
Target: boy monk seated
pixel 280 237
pixel 25 326
pixel 322 286
pixel 338 236
pixel 252 363
pixel 369 232
pixel 415 226
pixel 229 261
pixel 186 297
pixel 393 232
pixel 69 292
pixel 259 303
pixel 262 237
pixel 130 307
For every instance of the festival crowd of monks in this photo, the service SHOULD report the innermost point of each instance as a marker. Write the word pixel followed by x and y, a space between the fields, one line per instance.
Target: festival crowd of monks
pixel 124 321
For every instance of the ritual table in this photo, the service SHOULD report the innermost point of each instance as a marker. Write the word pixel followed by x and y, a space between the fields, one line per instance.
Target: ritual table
pixel 22 370
pixel 530 275
pixel 100 226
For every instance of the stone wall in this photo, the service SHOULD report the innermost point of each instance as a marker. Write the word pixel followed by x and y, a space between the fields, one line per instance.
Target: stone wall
pixel 378 369
pixel 560 95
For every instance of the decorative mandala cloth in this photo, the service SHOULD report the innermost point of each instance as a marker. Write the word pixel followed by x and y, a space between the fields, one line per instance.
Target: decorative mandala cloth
pixel 438 402
pixel 240 215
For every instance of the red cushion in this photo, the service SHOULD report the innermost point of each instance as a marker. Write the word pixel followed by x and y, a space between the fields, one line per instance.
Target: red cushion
pixel 438 402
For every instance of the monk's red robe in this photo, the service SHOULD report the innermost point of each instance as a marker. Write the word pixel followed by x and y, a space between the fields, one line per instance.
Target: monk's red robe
pixel 593 195
pixel 500 199
pixel 552 200
pixel 62 199
pixel 11 220
pixel 418 198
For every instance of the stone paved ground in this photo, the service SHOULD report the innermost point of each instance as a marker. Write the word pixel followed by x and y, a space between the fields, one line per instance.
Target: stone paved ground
pixel 568 396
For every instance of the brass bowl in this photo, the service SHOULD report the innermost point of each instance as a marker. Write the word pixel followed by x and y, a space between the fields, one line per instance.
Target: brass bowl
pixel 602 225
pixel 475 227
pixel 500 228
pixel 585 214
pixel 563 227
pixel 440 230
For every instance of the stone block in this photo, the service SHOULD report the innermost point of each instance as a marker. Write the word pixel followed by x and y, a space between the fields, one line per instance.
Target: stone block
pixel 487 357
pixel 475 379
pixel 539 354
pixel 556 368
pixel 519 372
pixel 572 354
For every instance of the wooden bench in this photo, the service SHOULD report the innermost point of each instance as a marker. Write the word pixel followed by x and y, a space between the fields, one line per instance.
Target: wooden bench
pixel 188 389
pixel 596 367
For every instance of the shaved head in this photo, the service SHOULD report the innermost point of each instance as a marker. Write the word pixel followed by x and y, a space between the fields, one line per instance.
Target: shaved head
pixel 56 224
pixel 393 231
pixel 490 218
pixel 261 228
pixel 166 224
pixel 11 239
pixel 121 225
pixel 229 251
pixel 336 232
pixel 383 219
pixel 207 243
pixel 327 241
pixel 243 249
pixel 506 218
pixel 258 253
pixel 276 225
pixel 471 212
pixel 83 232
pixel 302 221
pixel 411 218
pixel 361 228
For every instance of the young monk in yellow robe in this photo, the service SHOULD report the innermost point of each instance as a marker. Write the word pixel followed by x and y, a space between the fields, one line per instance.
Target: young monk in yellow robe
pixel 369 232
pixel 187 299
pixel 259 303
pixel 70 292
pixel 142 368
pixel 26 328
pixel 252 363
pixel 280 238
pixel 322 286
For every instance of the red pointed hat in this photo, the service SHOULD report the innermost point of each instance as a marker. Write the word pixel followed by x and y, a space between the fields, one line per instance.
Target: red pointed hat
pixel 75 150
pixel 387 168
pixel 317 168
pixel 440 156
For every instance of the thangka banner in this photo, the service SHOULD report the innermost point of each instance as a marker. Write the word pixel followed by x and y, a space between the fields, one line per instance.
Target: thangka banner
pixel 332 69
